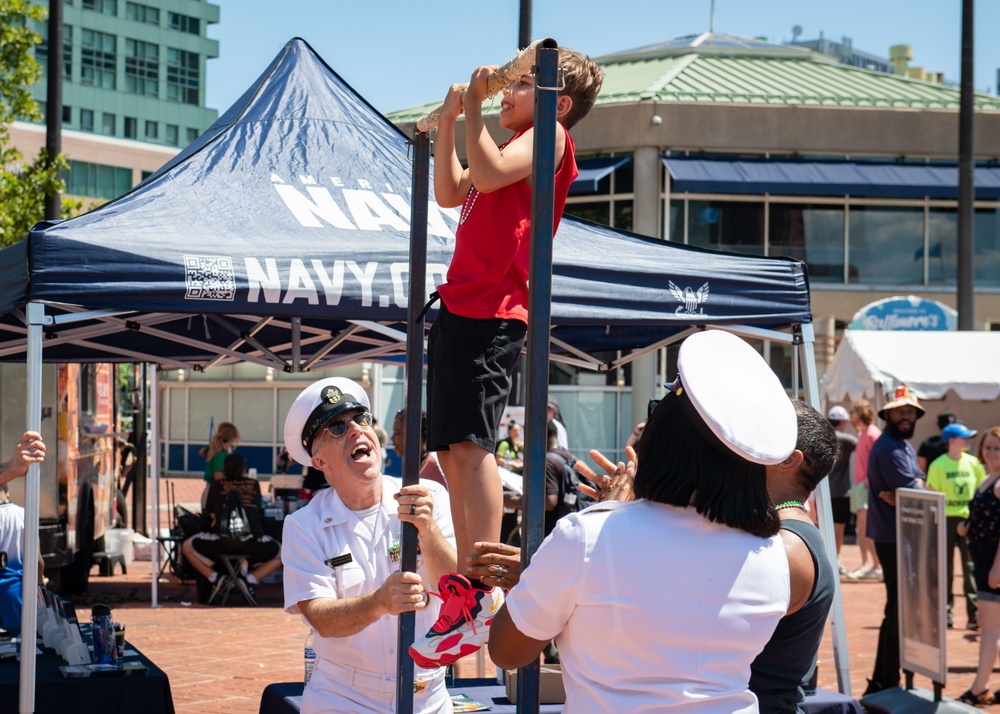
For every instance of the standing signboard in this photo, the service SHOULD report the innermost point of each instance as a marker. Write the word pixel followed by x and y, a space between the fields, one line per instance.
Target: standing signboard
pixel 920 551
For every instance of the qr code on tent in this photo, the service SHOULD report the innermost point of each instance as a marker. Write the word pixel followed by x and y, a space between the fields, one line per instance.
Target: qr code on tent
pixel 209 277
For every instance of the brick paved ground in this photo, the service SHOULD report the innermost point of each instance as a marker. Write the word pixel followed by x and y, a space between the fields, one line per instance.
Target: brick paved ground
pixel 220 659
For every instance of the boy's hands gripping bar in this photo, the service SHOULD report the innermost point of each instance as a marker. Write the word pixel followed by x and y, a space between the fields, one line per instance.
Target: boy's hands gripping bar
pixel 500 78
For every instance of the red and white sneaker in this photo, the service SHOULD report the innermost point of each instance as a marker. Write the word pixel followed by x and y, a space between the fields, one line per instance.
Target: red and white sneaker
pixel 463 625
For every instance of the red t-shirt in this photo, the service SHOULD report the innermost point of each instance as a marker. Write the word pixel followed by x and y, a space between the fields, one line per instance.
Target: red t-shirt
pixel 488 275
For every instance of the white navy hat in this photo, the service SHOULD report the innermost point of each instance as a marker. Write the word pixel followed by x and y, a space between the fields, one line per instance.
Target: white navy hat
pixel 314 408
pixel 738 396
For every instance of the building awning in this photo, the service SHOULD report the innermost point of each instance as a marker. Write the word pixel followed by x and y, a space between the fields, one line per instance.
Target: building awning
pixel 593 170
pixel 816 178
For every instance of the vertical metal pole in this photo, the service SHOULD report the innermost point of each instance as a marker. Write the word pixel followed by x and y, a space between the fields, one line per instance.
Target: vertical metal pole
pixel 54 101
pixel 543 172
pixel 810 383
pixel 524 25
pixel 296 344
pixel 414 385
pixel 32 499
pixel 140 485
pixel 966 177
pixel 153 443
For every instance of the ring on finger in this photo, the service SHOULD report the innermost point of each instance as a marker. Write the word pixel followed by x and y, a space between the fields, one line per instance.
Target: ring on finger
pixel 500 571
pixel 413 509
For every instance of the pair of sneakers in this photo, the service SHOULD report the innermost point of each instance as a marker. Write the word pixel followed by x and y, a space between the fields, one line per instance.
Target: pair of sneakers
pixel 463 625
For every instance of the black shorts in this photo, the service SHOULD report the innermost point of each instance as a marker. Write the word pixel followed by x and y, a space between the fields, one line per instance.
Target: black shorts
pixel 982 555
pixel 255 550
pixel 840 507
pixel 469 368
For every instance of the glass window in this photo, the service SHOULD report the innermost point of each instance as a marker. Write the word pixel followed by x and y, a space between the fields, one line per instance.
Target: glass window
pixel 184 23
pixel 173 135
pixel 285 399
pixel 736 226
pixel 68 53
pixel 97 180
pixel 98 56
pixel 623 215
pixel 107 124
pixel 67 114
pixel 624 176
pixel 676 233
pixel 131 128
pixel 142 13
pixel 178 414
pixel 152 130
pixel 987 250
pixel 142 68
pixel 105 7
pixel 942 241
pixel 943 251
pixel 598 211
pixel 260 404
pixel 207 409
pixel 86 120
pixel 886 245
pixel 781 363
pixel 182 76
pixel 813 234
pixel 192 134
pixel 42 50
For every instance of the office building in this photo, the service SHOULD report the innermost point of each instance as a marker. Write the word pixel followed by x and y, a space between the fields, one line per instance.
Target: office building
pixel 133 88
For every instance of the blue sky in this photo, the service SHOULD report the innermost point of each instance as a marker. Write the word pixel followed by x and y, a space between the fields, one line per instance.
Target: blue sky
pixel 399 54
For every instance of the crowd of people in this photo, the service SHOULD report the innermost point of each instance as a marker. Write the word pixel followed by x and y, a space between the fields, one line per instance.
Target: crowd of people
pixel 885 461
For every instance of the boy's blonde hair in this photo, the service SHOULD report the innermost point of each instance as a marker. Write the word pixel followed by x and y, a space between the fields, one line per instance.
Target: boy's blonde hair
pixel 583 79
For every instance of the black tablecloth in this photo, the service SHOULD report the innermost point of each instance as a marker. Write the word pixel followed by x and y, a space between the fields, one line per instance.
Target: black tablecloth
pixel 286 698
pixel 54 694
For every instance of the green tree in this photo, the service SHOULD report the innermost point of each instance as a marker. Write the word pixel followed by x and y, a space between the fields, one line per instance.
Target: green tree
pixel 23 185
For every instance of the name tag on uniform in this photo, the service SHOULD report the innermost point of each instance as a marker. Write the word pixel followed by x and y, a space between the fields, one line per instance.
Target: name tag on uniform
pixel 339 560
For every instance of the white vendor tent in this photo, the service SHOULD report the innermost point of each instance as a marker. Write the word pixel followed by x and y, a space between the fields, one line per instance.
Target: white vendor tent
pixel 873 363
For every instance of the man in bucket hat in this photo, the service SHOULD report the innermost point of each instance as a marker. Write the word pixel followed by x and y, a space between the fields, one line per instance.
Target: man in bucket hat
pixel 341 556
pixel 892 464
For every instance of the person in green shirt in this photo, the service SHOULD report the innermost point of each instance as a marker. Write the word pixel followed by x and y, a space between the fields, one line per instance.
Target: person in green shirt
pixel 957 474
pixel 224 442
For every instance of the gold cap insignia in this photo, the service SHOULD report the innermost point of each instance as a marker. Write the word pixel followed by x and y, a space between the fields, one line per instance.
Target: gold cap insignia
pixel 331 395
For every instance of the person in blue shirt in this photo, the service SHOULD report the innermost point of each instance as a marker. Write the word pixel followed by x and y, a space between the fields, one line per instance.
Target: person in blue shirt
pixel 892 464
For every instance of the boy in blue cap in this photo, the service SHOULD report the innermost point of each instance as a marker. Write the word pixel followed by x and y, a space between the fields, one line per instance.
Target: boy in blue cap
pixel 957 474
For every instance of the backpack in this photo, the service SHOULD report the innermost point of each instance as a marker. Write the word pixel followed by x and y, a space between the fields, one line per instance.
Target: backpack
pixel 234 523
pixel 571 498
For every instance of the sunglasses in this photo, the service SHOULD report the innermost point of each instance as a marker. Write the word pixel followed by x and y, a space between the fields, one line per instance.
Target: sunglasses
pixel 673 389
pixel 338 427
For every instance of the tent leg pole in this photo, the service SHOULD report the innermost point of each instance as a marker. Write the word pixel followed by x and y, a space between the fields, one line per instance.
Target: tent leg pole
pixel 839 634
pixel 539 319
pixel 153 443
pixel 32 499
pixel 420 195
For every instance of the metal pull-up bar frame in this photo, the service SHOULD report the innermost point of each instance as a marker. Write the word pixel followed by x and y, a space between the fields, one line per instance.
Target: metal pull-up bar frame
pixel 539 311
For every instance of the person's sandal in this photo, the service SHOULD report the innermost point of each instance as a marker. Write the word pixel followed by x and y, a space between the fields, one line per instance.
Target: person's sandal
pixel 984 697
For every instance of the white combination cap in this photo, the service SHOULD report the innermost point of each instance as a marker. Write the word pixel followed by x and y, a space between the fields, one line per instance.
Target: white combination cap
pixel 314 408
pixel 738 396
pixel 838 413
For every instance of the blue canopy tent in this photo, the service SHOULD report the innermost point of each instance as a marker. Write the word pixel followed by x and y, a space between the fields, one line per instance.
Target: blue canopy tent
pixel 285 228
pixel 281 237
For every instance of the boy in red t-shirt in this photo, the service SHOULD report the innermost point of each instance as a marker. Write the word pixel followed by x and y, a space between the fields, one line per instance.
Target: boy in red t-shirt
pixel 475 342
